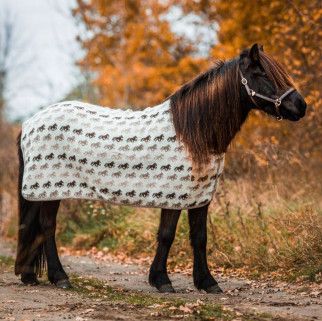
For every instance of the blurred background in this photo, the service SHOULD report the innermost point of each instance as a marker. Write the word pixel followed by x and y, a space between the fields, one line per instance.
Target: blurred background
pixel 266 215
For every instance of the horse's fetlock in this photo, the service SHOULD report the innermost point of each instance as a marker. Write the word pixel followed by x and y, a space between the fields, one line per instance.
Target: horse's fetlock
pixel 158 278
pixel 55 276
pixel 203 282
pixel 29 279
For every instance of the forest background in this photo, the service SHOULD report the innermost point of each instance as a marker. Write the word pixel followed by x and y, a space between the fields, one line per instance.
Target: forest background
pixel 266 216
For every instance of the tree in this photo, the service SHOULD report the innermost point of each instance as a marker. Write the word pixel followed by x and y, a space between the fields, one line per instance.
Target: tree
pixel 6 47
pixel 13 60
pixel 138 60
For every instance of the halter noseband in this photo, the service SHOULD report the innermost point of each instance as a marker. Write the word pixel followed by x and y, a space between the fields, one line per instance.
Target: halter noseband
pixel 277 102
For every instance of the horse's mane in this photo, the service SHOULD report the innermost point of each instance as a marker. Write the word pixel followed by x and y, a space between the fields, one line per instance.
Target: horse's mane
pixel 207 111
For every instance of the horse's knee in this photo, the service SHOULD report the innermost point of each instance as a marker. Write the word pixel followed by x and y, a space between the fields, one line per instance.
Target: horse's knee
pixel 166 237
pixel 198 240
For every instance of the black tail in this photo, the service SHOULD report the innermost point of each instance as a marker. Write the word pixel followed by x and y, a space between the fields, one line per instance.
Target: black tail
pixel 30 252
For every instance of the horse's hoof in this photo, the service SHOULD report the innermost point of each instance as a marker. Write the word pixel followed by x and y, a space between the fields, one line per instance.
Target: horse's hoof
pixel 30 280
pixel 214 289
pixel 166 288
pixel 63 284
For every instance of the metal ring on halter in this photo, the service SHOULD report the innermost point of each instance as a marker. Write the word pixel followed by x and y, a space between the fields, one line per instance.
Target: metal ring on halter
pixel 277 102
pixel 244 81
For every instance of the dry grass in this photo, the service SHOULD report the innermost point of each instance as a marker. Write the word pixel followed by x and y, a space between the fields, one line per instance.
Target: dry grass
pixel 265 232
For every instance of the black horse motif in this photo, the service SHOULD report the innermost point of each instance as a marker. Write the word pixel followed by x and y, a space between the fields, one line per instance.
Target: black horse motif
pixel 222 98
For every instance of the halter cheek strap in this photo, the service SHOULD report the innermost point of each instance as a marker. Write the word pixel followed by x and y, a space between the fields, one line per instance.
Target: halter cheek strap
pixel 277 101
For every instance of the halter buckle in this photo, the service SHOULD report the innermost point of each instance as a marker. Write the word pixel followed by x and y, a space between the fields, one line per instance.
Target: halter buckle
pixel 244 81
pixel 277 102
pixel 279 118
pixel 253 93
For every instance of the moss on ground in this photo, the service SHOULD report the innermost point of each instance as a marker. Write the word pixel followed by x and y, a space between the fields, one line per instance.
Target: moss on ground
pixel 160 307
pixel 6 263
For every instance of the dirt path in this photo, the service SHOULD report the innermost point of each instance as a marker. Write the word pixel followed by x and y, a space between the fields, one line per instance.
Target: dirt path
pixel 45 302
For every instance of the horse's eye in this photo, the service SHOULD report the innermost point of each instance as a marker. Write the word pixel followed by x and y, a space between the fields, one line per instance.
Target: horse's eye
pixel 261 74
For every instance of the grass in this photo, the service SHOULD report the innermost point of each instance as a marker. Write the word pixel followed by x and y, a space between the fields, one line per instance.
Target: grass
pixel 104 225
pixel 311 274
pixel 6 261
pixel 7 264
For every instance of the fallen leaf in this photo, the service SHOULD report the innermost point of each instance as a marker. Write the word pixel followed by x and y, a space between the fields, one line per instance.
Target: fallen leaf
pixel 89 288
pixel 185 309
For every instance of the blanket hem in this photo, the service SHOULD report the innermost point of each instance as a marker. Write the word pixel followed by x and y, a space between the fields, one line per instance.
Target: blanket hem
pixel 113 203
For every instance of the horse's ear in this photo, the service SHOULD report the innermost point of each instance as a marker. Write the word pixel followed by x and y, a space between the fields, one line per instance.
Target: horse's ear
pixel 254 54
pixel 261 48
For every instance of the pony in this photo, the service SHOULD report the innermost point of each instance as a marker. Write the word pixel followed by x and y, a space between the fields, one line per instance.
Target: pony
pixel 205 115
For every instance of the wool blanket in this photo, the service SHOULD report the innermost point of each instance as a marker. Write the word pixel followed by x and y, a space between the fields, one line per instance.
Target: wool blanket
pixel 83 151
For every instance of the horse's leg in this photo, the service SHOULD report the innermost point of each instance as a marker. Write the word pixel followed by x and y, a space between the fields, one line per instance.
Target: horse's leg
pixel 56 273
pixel 158 272
pixel 29 259
pixel 30 256
pixel 198 237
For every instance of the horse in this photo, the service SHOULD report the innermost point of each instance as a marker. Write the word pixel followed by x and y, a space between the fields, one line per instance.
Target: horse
pixel 195 126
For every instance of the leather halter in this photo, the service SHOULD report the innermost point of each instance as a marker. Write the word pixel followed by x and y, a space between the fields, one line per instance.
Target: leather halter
pixel 277 101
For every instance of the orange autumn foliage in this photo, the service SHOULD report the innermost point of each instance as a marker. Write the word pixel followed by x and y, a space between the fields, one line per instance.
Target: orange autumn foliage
pixel 138 60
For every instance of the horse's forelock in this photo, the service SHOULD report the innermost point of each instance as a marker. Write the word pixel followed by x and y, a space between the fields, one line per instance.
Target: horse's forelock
pixel 276 72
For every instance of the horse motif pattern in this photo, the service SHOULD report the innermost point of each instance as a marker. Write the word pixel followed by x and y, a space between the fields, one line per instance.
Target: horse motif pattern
pixel 78 150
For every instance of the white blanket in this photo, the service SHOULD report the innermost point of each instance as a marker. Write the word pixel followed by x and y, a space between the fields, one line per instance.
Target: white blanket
pixel 78 150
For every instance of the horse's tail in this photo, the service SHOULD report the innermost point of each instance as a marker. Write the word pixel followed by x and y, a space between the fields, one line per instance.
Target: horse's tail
pixel 30 251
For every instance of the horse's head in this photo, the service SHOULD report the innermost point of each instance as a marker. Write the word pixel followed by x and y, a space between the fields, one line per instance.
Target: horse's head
pixel 267 85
